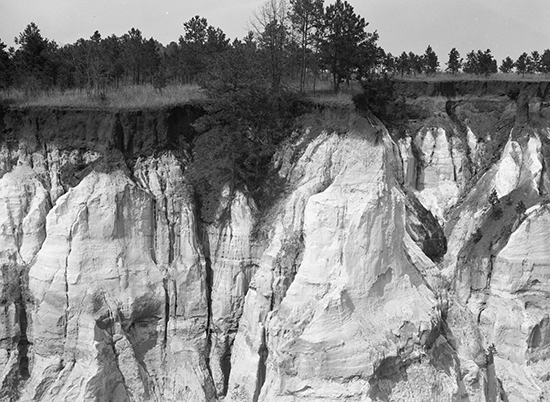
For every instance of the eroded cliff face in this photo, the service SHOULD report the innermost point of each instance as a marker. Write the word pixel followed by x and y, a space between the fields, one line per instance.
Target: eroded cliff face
pixel 488 186
pixel 385 270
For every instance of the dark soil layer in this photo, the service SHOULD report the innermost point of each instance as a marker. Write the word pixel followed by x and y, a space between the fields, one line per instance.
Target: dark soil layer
pixel 132 132
pixel 459 88
pixel 144 132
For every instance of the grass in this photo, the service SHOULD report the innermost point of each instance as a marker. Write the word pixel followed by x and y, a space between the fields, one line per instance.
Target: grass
pixel 124 97
pixel 146 96
pixel 324 94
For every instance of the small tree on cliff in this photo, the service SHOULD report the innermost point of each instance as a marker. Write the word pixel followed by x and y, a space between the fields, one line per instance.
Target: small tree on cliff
pixel 431 63
pixel 507 65
pixel 389 63
pixel 416 63
pixel 487 63
pixel 403 64
pixel 534 66
pixel 471 63
pixel 455 62
pixel 480 63
pixel 522 63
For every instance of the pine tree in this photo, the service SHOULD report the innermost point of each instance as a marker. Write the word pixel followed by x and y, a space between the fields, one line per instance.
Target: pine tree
pixel 507 65
pixel 471 64
pixel 487 64
pixel 403 64
pixel 416 63
pixel 532 62
pixel 344 31
pixel 455 62
pixel 431 62
pixel 522 63
pixel 31 57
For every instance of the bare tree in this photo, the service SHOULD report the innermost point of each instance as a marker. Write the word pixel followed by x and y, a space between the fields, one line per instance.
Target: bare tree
pixel 270 26
pixel 270 11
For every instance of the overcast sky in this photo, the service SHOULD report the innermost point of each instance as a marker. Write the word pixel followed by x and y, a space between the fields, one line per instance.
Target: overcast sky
pixel 507 27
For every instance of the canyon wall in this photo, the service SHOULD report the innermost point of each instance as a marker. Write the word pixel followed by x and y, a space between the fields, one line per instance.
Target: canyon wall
pixel 405 264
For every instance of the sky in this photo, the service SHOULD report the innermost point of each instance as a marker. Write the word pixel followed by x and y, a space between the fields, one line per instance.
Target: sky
pixel 507 27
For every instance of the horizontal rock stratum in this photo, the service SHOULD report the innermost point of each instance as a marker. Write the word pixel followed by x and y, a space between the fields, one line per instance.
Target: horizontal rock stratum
pixel 402 265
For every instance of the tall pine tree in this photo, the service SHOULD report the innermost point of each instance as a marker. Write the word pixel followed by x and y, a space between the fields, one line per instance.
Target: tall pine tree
pixel 344 32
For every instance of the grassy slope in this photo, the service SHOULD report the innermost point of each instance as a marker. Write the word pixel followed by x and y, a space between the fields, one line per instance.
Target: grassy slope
pixel 125 97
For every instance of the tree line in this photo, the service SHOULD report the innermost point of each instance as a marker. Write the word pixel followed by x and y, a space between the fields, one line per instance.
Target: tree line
pixel 296 42
pixel 300 40
pixel 476 62
pixel 483 63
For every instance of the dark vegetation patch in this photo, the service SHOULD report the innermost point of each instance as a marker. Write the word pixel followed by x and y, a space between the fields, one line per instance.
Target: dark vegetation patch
pixel 381 96
pixel 245 121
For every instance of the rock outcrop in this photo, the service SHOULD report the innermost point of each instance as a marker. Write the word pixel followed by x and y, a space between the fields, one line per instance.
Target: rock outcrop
pixel 391 267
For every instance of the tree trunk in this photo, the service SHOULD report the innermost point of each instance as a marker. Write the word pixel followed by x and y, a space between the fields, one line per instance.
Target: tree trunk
pixel 303 66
